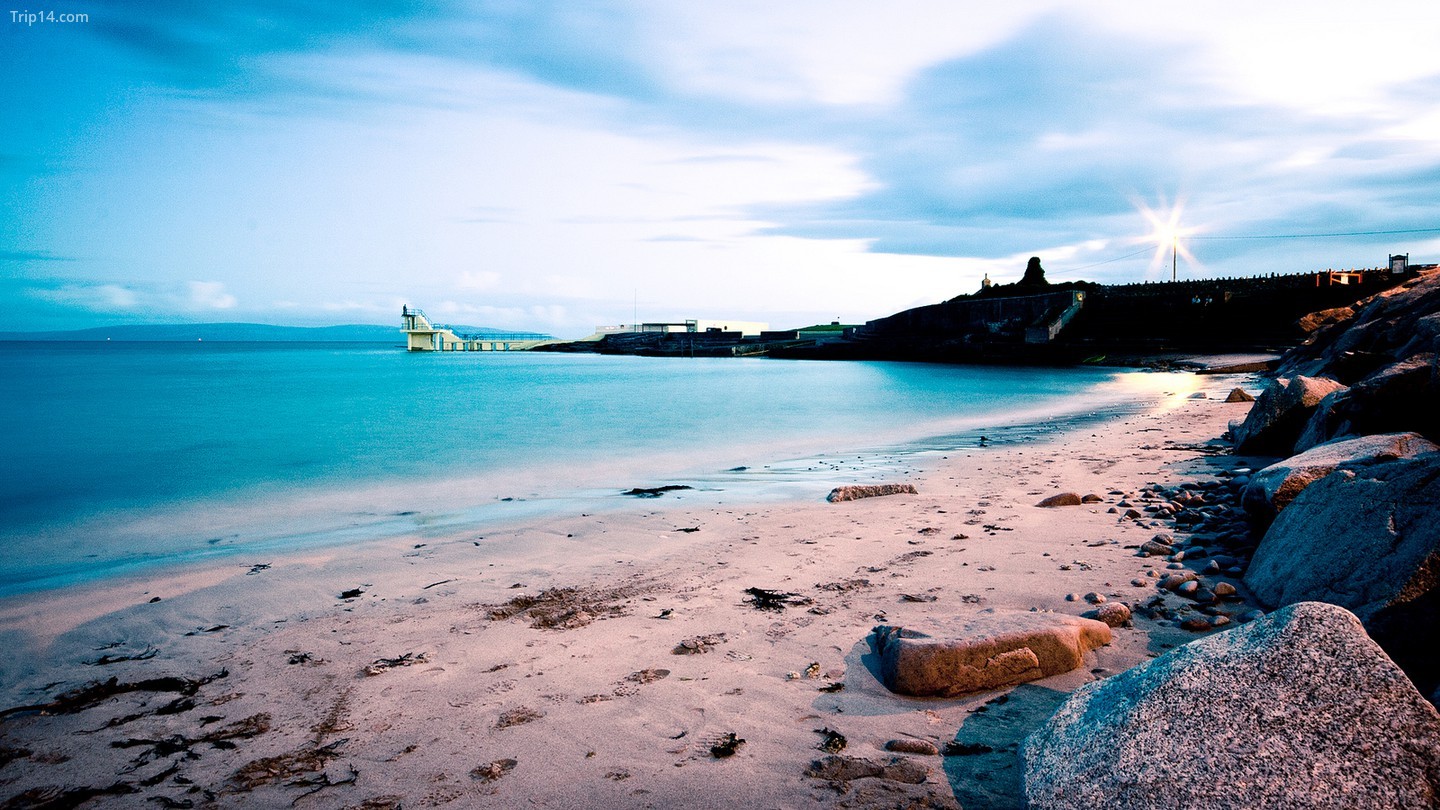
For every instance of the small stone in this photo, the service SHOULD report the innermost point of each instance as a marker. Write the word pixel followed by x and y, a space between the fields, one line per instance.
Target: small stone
pixel 1153 549
pixel 1131 514
pixel 1140 582
pixel 1187 588
pixel 1219 620
pixel 1212 567
pixel 1196 624
pixel 1072 597
pixel 1224 589
pixel 1112 511
pixel 1062 499
pixel 1175 566
pixel 1091 498
pixel 1115 614
pixel 909 746
pixel 1204 596
pixel 1250 616
pixel 1094 598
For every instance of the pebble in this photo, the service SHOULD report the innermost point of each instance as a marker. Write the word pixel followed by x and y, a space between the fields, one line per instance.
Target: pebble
pixel 1164 537
pixel 1094 598
pixel 1196 623
pixel 1132 514
pixel 1204 596
pixel 1219 620
pixel 1072 597
pixel 1250 616
pixel 1188 588
pixel 1175 566
pixel 912 747
pixel 1212 567
pixel 1154 549
pixel 1223 589
pixel 1115 614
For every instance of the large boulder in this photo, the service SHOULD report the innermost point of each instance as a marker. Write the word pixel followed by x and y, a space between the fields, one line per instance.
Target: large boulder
pixel 1279 415
pixel 1392 325
pixel 1402 396
pixel 1272 488
pixel 989 651
pixel 1367 539
pixel 1299 709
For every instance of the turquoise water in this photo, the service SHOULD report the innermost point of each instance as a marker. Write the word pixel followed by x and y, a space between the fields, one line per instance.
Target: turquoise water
pixel 121 456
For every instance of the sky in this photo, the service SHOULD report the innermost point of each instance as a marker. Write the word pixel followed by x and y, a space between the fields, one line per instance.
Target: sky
pixel 554 166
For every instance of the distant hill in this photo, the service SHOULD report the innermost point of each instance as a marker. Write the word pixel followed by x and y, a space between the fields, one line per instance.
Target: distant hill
pixel 245 333
pixel 223 332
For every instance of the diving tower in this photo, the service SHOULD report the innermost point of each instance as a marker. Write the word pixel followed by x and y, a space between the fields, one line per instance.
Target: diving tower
pixel 423 336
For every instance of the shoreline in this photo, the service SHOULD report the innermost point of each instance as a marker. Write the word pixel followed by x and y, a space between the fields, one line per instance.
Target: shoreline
pixel 212 531
pixel 585 697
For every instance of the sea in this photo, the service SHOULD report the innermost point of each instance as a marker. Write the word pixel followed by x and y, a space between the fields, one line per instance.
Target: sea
pixel 123 457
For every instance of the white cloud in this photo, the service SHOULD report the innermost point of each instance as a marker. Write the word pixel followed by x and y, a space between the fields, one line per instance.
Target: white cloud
pixel 206 295
pixel 93 297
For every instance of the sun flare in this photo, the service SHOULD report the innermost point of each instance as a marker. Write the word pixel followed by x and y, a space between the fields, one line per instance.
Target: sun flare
pixel 1167 234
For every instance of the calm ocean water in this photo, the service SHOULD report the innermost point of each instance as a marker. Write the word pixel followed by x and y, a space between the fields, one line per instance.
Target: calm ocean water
pixel 121 456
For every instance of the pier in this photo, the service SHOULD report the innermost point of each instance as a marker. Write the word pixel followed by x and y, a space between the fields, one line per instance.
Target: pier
pixel 423 336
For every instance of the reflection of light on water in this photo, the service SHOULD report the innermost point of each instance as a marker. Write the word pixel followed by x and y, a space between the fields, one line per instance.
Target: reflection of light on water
pixel 1168 390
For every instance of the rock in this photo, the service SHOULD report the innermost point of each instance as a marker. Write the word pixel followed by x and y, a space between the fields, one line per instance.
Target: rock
pixel 990 650
pixel 1091 498
pixel 1094 598
pixel 912 746
pixel 1325 317
pixel 1283 706
pixel 1131 514
pixel 1365 539
pixel 1223 589
pixel 837 768
pixel 852 493
pixel 1199 395
pixel 1115 614
pixel 1188 588
pixel 1196 624
pixel 1239 395
pixel 1402 396
pixel 1150 548
pixel 1173 581
pixel 1272 488
pixel 1279 415
pixel 1063 499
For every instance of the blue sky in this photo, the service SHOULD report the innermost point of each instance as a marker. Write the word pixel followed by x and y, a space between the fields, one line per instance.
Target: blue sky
pixel 554 166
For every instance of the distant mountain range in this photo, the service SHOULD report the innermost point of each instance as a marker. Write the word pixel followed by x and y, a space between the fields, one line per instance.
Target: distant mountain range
pixel 239 332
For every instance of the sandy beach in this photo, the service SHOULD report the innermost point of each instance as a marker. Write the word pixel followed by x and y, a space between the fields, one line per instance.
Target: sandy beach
pixel 598 660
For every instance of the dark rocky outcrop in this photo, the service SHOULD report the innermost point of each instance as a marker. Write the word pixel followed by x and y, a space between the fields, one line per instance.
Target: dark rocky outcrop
pixel 1272 488
pixel 1280 413
pixel 1034 274
pixel 991 650
pixel 1367 539
pixel 1299 709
